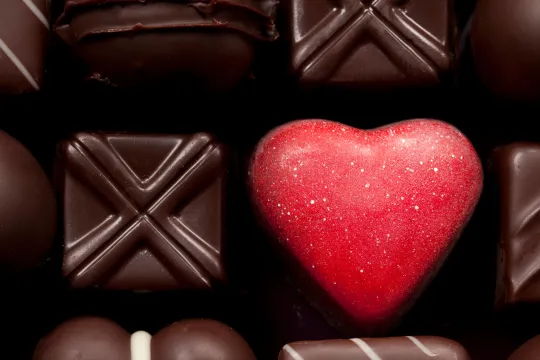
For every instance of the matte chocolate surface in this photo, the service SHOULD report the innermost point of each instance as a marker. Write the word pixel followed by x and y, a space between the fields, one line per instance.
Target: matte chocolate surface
pixel 27 208
pixel 504 37
pixel 24 28
pixel 143 212
pixel 97 338
pixel 395 348
pixel 370 43
pixel 207 46
pixel 528 351
pixel 518 167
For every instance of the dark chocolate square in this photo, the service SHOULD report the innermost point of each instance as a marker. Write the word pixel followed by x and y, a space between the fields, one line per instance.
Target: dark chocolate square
pixel 370 43
pixel 518 168
pixel 143 212
pixel 24 27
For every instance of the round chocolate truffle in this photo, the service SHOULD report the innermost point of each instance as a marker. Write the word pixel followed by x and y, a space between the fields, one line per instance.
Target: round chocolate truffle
pixel 89 338
pixel 505 39
pixel 27 209
pixel 200 340
pixel 528 351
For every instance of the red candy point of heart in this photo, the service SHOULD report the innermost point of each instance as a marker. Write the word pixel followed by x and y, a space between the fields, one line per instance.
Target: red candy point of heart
pixel 370 215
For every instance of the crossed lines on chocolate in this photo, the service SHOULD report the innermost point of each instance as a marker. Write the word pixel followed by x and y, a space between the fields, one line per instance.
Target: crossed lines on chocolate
pixel 153 223
pixel 355 18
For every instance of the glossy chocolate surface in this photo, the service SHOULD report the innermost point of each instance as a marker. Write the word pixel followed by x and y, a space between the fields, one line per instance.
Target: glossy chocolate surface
pixel 96 338
pixel 24 29
pixel 27 209
pixel 504 37
pixel 395 348
pixel 528 351
pixel 143 212
pixel 370 44
pixel 518 167
pixel 206 46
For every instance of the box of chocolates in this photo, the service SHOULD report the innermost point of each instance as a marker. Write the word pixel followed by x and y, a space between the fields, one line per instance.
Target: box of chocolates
pixel 270 180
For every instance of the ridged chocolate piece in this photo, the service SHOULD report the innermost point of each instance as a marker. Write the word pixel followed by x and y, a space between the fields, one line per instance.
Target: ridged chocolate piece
pixel 24 28
pixel 188 46
pixel 135 17
pixel 518 167
pixel 370 44
pixel 394 348
pixel 528 351
pixel 92 338
pixel 262 7
pixel 143 212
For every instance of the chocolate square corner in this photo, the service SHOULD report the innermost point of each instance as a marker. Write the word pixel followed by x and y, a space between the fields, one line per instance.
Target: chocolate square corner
pixel 370 43
pixel 143 212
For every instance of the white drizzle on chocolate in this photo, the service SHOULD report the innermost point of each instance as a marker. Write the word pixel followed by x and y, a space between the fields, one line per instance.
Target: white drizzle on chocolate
pixel 35 10
pixel 20 66
pixel 371 354
pixel 140 346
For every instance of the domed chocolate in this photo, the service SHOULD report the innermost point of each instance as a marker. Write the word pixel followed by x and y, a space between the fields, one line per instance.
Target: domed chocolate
pixel 505 38
pixel 88 338
pixel 27 209
pixel 200 340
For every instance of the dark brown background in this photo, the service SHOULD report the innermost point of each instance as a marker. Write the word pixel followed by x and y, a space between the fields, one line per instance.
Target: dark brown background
pixel 260 304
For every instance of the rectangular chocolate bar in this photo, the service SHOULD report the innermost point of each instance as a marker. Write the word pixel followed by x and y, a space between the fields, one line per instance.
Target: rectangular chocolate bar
pixel 143 212
pixel 24 28
pixel 518 170
pixel 370 43
pixel 392 348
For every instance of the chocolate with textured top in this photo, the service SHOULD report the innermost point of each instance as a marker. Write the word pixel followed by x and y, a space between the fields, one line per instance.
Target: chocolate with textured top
pixel 370 43
pixel 394 348
pixel 97 338
pixel 207 46
pixel 527 351
pixel 518 167
pixel 143 212
pixel 27 208
pixel 504 36
pixel 24 28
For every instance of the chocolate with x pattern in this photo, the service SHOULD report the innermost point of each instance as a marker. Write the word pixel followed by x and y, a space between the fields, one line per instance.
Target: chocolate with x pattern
pixel 24 28
pixel 370 44
pixel 143 212
pixel 393 348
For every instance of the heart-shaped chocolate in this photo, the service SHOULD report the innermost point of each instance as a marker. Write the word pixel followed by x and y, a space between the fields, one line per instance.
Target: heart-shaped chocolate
pixel 92 338
pixel 368 215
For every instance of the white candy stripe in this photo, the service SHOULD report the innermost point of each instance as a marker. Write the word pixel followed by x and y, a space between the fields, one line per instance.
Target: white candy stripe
pixel 421 346
pixel 140 346
pixel 34 9
pixel 294 354
pixel 371 354
pixel 15 60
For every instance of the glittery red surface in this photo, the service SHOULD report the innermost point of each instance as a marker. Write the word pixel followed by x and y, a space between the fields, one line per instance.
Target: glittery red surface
pixel 369 214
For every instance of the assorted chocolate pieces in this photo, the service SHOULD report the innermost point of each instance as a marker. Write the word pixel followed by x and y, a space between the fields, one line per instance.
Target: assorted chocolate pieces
pixel 518 168
pixel 393 348
pixel 143 212
pixel 207 44
pixel 370 44
pixel 99 338
pixel 24 28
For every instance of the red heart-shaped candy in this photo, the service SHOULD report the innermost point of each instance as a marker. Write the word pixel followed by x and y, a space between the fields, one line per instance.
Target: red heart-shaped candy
pixel 370 215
